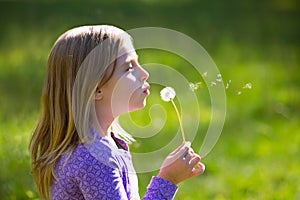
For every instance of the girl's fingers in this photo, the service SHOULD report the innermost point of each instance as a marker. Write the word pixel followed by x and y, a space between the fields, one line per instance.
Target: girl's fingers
pixel 181 148
pixel 196 166
pixel 182 152
pixel 199 170
pixel 195 160
pixel 187 143
pixel 187 157
pixel 178 149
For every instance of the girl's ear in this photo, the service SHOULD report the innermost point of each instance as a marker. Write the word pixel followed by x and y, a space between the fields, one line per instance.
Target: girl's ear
pixel 98 94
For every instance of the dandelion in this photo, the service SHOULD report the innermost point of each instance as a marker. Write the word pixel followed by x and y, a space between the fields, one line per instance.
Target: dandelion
pixel 168 94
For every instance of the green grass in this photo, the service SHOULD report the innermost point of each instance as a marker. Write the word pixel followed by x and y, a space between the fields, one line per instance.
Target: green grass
pixel 256 156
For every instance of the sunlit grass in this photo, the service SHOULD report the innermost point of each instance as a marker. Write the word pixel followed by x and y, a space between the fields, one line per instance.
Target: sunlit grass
pixel 15 179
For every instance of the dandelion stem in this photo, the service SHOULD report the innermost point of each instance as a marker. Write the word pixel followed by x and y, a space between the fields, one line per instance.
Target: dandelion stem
pixel 179 119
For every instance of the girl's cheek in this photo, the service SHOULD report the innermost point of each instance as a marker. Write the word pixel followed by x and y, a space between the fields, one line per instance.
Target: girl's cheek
pixel 131 77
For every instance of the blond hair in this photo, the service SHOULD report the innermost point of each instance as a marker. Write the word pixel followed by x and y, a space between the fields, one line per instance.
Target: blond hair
pixel 77 64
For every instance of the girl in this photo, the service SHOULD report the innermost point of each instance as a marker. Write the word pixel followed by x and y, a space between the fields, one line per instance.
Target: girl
pixel 92 77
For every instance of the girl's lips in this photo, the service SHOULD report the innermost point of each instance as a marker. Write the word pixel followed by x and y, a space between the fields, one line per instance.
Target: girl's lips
pixel 147 91
pixel 146 86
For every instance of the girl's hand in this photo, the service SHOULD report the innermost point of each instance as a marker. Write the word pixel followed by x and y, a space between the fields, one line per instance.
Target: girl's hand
pixel 181 164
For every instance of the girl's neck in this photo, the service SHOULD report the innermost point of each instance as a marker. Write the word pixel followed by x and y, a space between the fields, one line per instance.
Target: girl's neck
pixel 104 121
pixel 104 126
pixel 104 116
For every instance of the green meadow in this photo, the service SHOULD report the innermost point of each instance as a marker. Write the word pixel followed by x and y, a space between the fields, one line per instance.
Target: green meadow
pixel 257 42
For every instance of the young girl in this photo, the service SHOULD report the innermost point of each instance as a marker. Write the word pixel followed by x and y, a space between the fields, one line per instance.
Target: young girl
pixel 92 77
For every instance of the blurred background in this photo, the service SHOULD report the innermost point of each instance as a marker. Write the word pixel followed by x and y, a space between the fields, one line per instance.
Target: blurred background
pixel 257 155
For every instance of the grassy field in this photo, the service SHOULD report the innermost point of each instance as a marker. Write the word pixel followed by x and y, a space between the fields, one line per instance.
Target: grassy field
pixel 257 155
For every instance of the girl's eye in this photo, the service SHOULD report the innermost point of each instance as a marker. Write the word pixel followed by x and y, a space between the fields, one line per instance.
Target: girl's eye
pixel 130 67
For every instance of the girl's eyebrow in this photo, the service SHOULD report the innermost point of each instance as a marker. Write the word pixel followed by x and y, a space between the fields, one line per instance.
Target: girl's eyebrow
pixel 131 58
pixel 123 62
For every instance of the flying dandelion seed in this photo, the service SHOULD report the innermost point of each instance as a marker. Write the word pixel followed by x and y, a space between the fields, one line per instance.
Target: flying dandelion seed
pixel 195 86
pixel 192 86
pixel 248 86
pixel 228 84
pixel 219 78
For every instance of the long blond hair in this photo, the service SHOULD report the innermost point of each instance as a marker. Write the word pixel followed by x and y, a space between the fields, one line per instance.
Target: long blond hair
pixel 67 98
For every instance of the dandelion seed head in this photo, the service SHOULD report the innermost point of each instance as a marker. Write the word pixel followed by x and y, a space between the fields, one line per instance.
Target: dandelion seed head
pixel 167 94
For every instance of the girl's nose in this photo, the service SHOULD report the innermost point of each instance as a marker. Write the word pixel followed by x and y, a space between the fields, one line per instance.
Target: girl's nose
pixel 144 74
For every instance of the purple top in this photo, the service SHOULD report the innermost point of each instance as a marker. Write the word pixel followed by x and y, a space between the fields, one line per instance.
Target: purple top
pixel 102 171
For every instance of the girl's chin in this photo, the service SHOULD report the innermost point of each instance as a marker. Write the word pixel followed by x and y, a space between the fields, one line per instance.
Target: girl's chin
pixel 138 106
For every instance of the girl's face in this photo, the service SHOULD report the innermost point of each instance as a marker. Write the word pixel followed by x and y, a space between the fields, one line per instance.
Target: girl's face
pixel 127 89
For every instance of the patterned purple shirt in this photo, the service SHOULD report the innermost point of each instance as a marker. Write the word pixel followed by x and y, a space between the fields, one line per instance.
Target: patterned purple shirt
pixel 101 171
